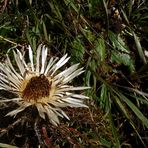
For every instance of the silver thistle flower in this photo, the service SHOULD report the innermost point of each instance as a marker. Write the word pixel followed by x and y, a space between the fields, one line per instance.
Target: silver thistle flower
pixel 39 83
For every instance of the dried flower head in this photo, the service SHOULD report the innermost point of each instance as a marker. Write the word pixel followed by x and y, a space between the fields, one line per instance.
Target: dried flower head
pixel 39 83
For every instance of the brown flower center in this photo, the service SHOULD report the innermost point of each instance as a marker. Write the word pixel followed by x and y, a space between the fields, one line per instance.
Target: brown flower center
pixel 37 88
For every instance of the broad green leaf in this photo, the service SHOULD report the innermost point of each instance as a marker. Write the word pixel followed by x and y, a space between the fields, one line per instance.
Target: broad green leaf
pixel 118 43
pixel 123 58
pixel 120 53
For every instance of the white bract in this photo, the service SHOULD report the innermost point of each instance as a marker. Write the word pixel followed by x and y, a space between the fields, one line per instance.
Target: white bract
pixel 41 83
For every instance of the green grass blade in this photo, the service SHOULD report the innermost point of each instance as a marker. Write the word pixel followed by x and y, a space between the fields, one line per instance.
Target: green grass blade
pixel 114 131
pixel 137 112
pixel 139 48
pixel 125 112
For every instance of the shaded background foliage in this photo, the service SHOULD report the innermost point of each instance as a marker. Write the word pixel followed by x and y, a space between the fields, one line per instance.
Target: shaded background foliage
pixel 108 38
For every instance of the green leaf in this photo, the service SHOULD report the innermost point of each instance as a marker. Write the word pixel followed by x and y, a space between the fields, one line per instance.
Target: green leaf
pixel 106 143
pixel 104 98
pixel 125 112
pixel 118 42
pixel 45 31
pixel 78 50
pixel 2 145
pixel 137 112
pixel 101 49
pixel 72 4
pixel 133 108
pixel 139 48
pixel 114 131
pixel 123 58
pixel 120 53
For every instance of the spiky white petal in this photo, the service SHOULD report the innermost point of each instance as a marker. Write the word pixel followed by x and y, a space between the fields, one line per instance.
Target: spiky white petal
pixel 71 88
pixel 8 100
pixel 77 95
pixel 44 56
pixel 67 72
pixel 38 58
pixel 60 63
pixel 41 110
pixel 31 58
pixel 13 70
pixel 18 110
pixel 52 115
pixel 50 64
